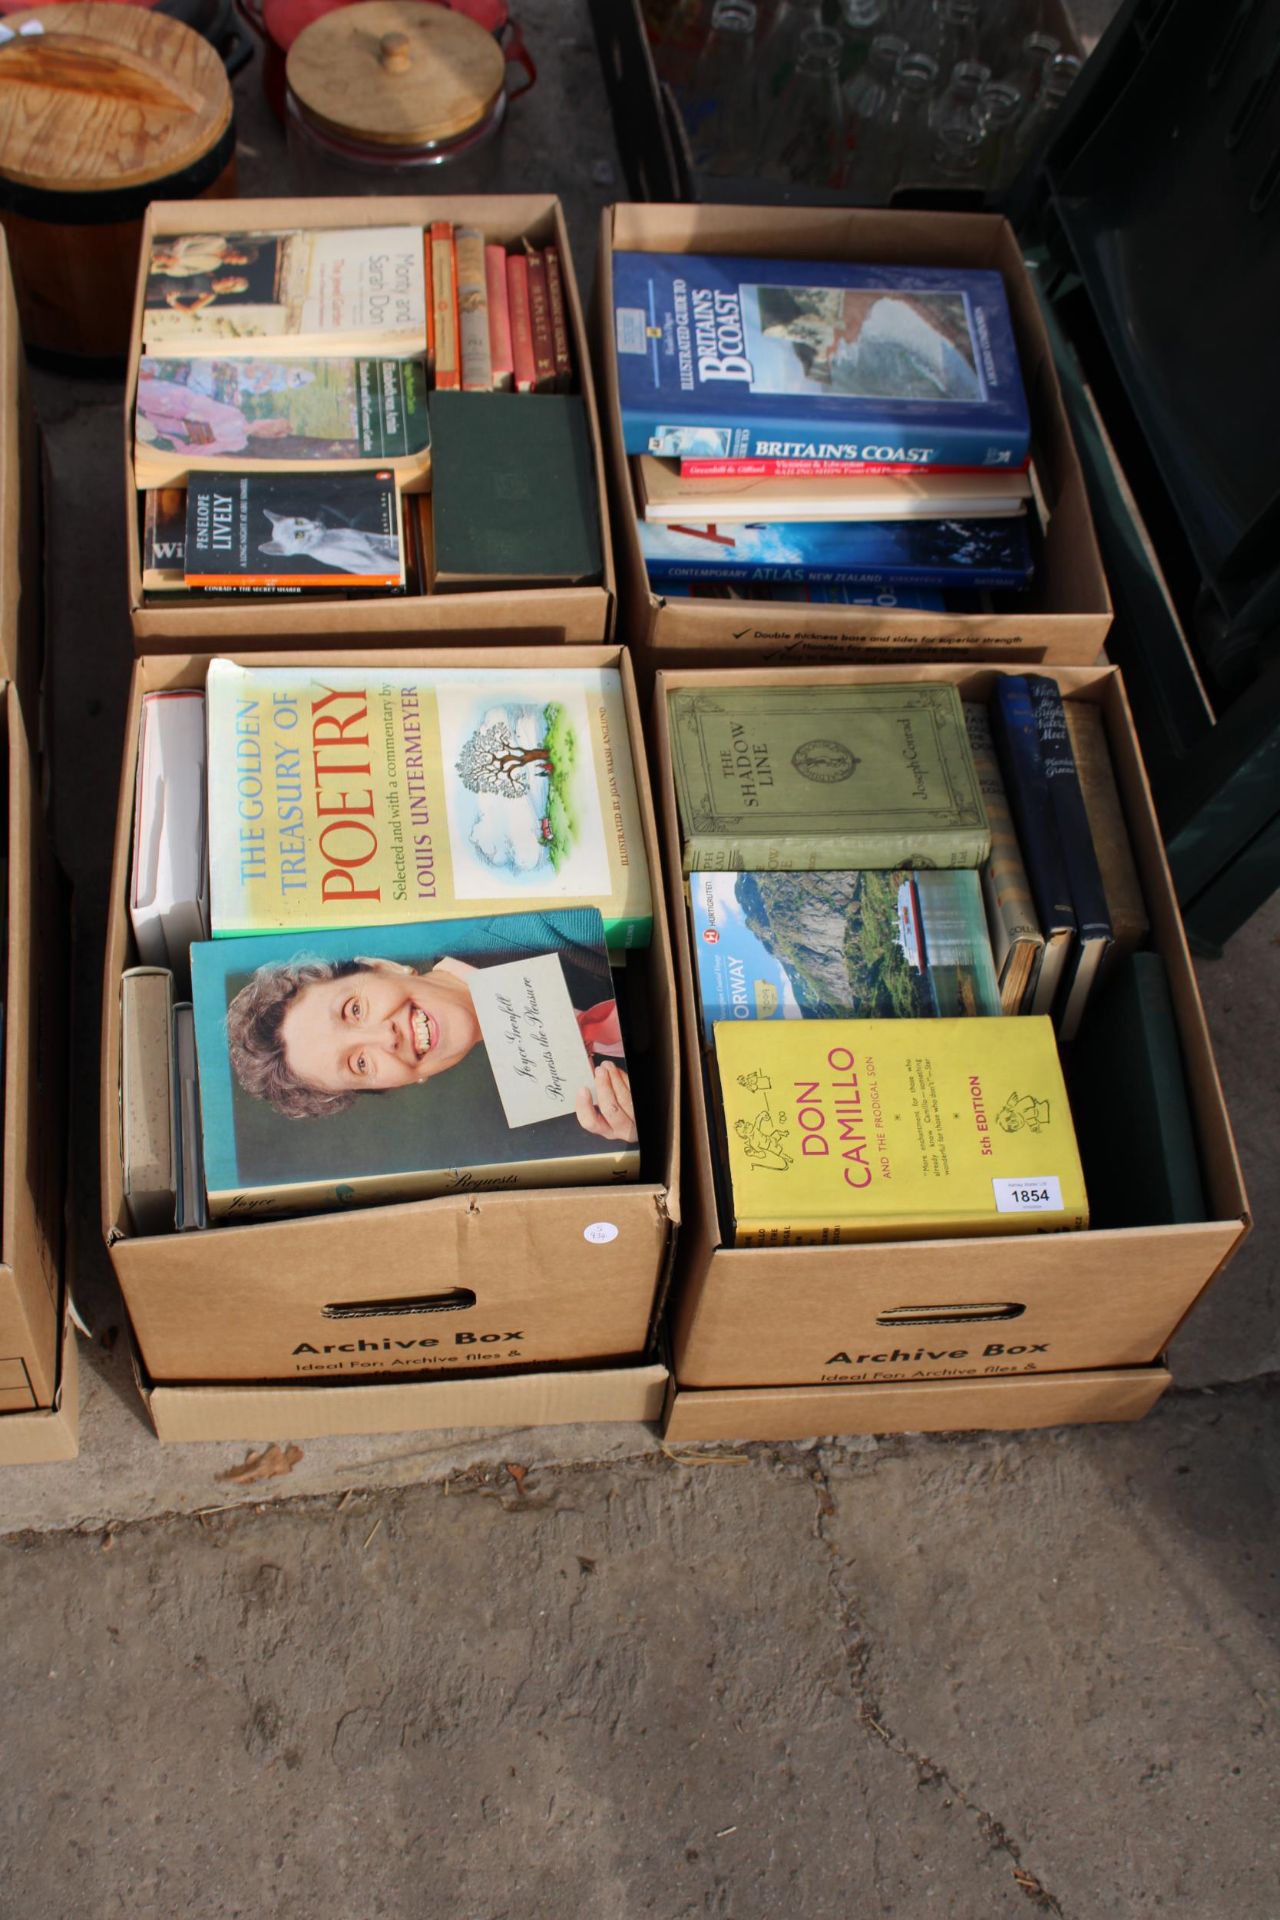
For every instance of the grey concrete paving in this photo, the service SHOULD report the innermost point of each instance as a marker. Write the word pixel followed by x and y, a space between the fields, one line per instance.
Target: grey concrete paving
pixel 974 1677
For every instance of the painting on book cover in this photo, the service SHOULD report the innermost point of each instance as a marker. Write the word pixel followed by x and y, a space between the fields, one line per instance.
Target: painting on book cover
pixel 193 273
pixel 385 1051
pixel 861 343
pixel 522 816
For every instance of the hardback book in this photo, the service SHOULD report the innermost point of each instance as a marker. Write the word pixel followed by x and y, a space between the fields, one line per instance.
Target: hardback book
pixel 164 539
pixel 1130 927
pixel 473 311
pixel 825 778
pixel 834 946
pixel 149 1162
pixel 201 416
pixel 522 354
pixel 544 353
pixel 320 290
pixel 663 495
pixel 559 320
pixel 726 358
pixel 373 1063
pixel 444 305
pixel 910 599
pixel 495 266
pixel 191 1209
pixel 707 470
pixel 845 1130
pixel 869 553
pixel 429 301
pixel 169 883
pixel 371 796
pixel 1128 1085
pixel 1016 939
pixel 1084 877
pixel 260 532
pixel 514 500
pixel 1017 741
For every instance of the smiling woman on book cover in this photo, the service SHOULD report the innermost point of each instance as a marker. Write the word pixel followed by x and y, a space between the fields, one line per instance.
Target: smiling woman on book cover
pixel 498 1042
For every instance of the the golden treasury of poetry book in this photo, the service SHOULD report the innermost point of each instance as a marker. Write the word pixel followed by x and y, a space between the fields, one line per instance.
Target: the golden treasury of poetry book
pixel 845 1130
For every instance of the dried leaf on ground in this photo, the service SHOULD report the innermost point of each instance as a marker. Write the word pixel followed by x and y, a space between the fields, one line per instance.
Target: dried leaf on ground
pixel 269 1463
pixel 518 1474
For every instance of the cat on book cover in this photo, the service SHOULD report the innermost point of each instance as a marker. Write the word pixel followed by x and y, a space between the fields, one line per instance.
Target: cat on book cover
pixel 327 1041
pixel 345 548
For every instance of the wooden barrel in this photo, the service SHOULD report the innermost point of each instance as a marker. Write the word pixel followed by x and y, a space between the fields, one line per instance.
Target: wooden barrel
pixel 102 110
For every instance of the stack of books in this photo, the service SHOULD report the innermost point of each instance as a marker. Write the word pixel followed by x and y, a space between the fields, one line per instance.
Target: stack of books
pixel 805 426
pixel 285 435
pixel 418 886
pixel 877 874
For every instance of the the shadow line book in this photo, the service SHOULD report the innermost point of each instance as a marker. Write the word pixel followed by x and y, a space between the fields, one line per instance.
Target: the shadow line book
pixel 1084 877
pixel 825 778
pixel 377 1064
pixel 376 795
pixel 1017 739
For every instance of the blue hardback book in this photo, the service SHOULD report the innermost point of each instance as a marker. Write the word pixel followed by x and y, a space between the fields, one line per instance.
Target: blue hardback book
pixel 905 600
pixel 1017 742
pixel 867 553
pixel 1075 837
pixel 722 358
pixel 838 946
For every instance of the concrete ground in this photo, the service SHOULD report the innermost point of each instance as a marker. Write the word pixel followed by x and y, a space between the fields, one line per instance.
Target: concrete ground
pixel 508 1676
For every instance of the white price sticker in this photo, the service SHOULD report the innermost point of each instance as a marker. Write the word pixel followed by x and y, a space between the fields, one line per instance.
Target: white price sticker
pixel 600 1233
pixel 1038 1193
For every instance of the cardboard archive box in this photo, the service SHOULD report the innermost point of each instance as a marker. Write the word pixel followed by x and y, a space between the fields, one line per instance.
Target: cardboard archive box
pixel 449 1286
pixel 21 555
pixel 38 1407
pixel 854 1316
pixel 1068 610
pixel 538 615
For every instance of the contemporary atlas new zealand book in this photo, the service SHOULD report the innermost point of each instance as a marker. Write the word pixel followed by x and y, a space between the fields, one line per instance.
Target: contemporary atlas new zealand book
pixel 396 1063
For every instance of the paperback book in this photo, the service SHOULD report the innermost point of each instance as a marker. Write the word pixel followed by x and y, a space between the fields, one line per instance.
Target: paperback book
pixel 321 290
pixel 373 1064
pixel 724 358
pixel 832 946
pixel 265 532
pixel 369 796
pixel 914 553
pixel 846 1130
pixel 825 778
pixel 199 416
pixel 164 539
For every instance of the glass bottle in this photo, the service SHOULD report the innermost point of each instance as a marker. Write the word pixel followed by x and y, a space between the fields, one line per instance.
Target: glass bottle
pixel 956 39
pixel 916 22
pixel 1058 81
pixel 869 100
pixel 958 154
pixel 860 22
pixel 1000 107
pixel 909 129
pixel 805 140
pixel 722 117
pixel 1036 54
pixel 780 48
pixel 675 53
pixel 959 99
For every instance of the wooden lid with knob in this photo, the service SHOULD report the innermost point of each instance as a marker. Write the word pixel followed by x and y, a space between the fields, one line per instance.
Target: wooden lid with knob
pixel 395 73
pixel 102 97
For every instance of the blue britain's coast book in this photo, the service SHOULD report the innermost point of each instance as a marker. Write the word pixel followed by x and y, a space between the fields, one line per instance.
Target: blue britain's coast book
pixel 838 946
pixel 722 358
pixel 867 553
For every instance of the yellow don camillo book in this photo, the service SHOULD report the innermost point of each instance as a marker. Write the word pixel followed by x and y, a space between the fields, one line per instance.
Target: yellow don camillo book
pixel 840 1130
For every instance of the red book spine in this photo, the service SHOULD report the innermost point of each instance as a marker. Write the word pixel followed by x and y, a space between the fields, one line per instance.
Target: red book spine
pixel 812 469
pixel 544 358
pixel 521 323
pixel 559 321
pixel 495 269
pixel 444 290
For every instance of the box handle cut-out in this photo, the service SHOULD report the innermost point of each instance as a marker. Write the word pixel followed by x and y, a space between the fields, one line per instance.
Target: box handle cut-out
pixel 949 1316
pixel 452 1300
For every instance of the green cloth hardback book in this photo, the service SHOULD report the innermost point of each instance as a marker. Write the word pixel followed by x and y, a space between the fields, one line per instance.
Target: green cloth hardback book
pixel 825 778
pixel 513 492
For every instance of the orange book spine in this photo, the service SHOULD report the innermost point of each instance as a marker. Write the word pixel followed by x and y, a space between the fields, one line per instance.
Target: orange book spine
pixel 495 268
pixel 521 325
pixel 431 312
pixel 444 296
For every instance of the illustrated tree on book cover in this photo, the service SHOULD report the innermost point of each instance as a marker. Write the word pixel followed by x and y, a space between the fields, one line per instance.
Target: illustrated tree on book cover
pixel 509 756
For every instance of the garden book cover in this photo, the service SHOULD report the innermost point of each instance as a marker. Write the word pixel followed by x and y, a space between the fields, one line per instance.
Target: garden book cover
pixel 829 946
pixel 375 1063
pixel 724 358
pixel 846 1130
pixel 368 796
